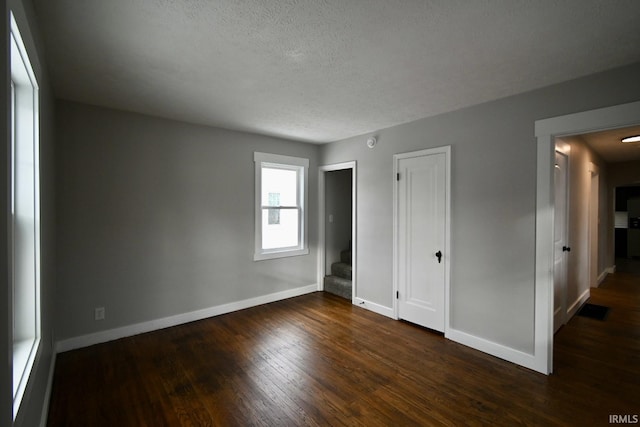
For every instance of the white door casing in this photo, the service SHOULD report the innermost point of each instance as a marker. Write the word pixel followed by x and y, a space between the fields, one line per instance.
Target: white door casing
pixel 421 256
pixel 560 243
pixel 546 130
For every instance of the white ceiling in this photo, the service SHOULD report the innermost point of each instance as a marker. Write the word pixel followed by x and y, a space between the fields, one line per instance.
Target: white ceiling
pixel 324 70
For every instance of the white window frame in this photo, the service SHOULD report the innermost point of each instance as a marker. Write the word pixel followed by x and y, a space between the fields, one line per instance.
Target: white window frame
pixel 301 166
pixel 24 130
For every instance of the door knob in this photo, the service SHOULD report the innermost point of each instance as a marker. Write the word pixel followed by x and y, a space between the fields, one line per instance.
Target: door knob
pixel 566 249
pixel 439 255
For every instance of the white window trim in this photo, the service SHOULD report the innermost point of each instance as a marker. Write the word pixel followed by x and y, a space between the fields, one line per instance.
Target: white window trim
pixel 285 162
pixel 25 352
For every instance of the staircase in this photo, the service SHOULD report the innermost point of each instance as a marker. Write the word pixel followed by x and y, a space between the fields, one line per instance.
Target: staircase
pixel 339 282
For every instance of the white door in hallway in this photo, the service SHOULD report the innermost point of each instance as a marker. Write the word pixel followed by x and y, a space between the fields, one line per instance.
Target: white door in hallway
pixel 561 246
pixel 421 256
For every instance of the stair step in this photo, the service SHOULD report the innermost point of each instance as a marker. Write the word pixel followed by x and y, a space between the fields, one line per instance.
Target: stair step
pixel 338 286
pixel 341 269
pixel 345 256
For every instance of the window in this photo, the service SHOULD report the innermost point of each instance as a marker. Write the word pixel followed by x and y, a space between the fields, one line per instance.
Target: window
pixel 280 206
pixel 25 215
pixel 274 214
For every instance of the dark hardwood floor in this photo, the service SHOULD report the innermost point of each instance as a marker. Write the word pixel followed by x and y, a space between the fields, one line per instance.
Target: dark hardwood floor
pixel 317 360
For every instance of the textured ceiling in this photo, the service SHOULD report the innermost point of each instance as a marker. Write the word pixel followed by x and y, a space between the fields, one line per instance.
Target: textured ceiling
pixel 324 70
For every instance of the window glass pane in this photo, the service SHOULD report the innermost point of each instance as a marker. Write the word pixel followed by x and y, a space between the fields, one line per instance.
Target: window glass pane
pixel 25 237
pixel 280 182
pixel 283 234
pixel 24 242
pixel 23 204
pixel 274 214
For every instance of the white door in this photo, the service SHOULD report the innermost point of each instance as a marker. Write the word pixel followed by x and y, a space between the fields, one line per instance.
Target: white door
pixel 594 222
pixel 421 252
pixel 561 246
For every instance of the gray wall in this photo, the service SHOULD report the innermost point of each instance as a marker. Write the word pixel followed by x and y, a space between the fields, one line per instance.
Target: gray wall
pixel 337 203
pixel 493 200
pixel 34 397
pixel 156 218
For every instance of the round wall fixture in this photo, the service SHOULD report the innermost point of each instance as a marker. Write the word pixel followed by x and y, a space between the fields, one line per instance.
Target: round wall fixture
pixel 372 141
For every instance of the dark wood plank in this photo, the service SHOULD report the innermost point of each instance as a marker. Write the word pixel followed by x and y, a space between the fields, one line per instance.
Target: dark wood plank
pixel 317 360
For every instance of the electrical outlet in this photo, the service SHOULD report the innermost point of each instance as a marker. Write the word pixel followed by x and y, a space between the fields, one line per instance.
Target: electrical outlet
pixel 99 313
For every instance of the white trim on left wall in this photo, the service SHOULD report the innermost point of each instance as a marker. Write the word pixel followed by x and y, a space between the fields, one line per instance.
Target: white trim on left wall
pixel 178 319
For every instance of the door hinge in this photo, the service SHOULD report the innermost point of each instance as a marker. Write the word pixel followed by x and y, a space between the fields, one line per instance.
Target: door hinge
pixel 397 294
pixel 398 177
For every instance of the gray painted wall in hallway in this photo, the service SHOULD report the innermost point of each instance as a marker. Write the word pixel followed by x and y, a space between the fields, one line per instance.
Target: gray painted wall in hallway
pixel 493 200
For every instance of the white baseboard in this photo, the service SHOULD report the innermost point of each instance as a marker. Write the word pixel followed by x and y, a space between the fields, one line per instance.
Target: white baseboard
pixel 44 415
pixel 166 322
pixel 372 306
pixel 602 276
pixel 573 308
pixel 558 319
pixel 494 349
pixel 611 269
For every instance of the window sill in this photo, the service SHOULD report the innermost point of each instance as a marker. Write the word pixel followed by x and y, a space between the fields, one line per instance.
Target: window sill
pixel 280 254
pixel 24 354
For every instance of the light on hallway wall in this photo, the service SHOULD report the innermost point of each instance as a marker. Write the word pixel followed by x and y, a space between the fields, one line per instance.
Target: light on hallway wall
pixel 563 146
pixel 372 141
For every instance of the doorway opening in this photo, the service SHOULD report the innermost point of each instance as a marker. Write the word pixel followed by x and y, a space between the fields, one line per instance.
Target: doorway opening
pixel 547 130
pixel 337 230
pixel 577 240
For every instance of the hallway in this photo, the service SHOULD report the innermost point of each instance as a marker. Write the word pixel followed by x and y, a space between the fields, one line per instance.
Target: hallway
pixel 604 355
pixel 626 265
